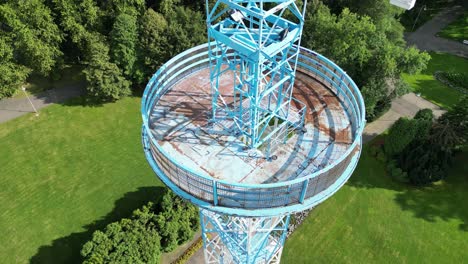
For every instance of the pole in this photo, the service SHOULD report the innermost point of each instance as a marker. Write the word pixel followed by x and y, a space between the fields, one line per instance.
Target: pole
pixel 414 24
pixel 27 96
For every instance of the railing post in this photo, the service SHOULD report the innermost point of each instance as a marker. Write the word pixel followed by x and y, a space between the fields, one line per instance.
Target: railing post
pixel 215 194
pixel 304 190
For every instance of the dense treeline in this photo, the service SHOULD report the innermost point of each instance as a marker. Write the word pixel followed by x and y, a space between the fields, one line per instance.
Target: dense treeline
pixel 153 229
pixel 122 42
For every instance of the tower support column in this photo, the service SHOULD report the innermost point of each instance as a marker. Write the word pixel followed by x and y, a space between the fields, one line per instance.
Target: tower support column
pixel 237 239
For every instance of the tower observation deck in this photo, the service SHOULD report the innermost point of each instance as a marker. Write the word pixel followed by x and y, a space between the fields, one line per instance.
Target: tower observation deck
pixel 251 127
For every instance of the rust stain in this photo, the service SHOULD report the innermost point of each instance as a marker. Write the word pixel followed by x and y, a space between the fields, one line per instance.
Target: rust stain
pixel 191 99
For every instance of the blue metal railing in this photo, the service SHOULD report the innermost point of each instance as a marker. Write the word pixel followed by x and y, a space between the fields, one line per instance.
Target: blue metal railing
pixel 229 197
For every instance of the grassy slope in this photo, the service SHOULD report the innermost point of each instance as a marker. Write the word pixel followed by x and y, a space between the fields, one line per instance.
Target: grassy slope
pixel 375 220
pixel 457 30
pixel 66 173
pixel 430 88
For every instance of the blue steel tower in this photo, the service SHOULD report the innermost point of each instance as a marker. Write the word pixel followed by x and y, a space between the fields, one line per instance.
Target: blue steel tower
pixel 251 127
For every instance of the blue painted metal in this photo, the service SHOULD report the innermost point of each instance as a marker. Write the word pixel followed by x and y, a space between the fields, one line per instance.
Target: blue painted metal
pixel 263 52
pixel 263 60
pixel 240 239
pixel 309 62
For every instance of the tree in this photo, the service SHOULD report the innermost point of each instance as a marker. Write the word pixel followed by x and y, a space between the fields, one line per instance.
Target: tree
pixel 12 75
pixel 186 29
pixel 400 135
pixel 126 241
pixel 176 222
pixel 366 52
pixel 36 36
pixel 451 129
pixel 424 114
pixel 152 44
pixel 425 162
pixel 29 40
pixel 424 121
pixel 123 43
pixel 131 7
pixel 78 19
pixel 105 79
pixel 137 240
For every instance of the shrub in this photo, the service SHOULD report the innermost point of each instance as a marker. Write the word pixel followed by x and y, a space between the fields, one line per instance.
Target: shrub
pixel 126 241
pixel 451 129
pixel 381 156
pixel 456 80
pixel 190 252
pixel 380 108
pixel 424 114
pixel 400 135
pixel 374 150
pixel 177 221
pixel 150 230
pixel 396 173
pixel 425 162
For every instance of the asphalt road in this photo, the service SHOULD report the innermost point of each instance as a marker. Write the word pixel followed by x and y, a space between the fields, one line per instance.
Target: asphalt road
pixel 425 36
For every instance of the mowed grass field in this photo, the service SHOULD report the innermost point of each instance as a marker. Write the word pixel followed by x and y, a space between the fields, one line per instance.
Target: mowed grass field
pixel 373 219
pixel 66 173
pixel 432 89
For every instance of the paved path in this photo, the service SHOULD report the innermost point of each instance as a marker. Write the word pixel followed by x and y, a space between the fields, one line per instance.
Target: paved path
pixel 425 36
pixel 406 106
pixel 14 107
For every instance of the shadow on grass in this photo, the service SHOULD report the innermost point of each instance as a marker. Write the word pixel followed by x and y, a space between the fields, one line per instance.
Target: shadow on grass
pixel 437 93
pixel 370 172
pixel 67 249
pixel 444 200
pixel 84 100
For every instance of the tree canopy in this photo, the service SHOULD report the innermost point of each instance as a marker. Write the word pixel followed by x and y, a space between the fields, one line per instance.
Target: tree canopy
pixel 359 44
pixel 121 43
pixel 152 229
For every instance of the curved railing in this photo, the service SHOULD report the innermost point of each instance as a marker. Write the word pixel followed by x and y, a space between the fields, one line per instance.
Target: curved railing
pixel 253 199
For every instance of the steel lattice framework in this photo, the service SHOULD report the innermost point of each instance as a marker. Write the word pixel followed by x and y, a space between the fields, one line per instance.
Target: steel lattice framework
pixel 254 41
pixel 238 239
pixel 222 129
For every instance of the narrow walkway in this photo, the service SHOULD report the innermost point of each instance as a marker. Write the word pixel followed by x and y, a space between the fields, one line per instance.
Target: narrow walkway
pixel 425 36
pixel 11 108
pixel 406 106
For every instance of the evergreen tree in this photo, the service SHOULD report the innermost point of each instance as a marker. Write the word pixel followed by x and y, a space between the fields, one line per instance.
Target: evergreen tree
pixel 425 162
pixel 451 129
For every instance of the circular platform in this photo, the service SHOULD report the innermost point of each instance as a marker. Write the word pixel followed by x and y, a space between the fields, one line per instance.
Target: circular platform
pixel 208 164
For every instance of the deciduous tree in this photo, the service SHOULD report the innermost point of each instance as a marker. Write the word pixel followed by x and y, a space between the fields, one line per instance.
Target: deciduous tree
pixel 105 79
pixel 123 43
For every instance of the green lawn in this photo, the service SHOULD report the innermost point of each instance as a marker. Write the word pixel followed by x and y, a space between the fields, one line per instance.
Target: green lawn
pixel 457 30
pixel 430 88
pixel 373 219
pixel 67 173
